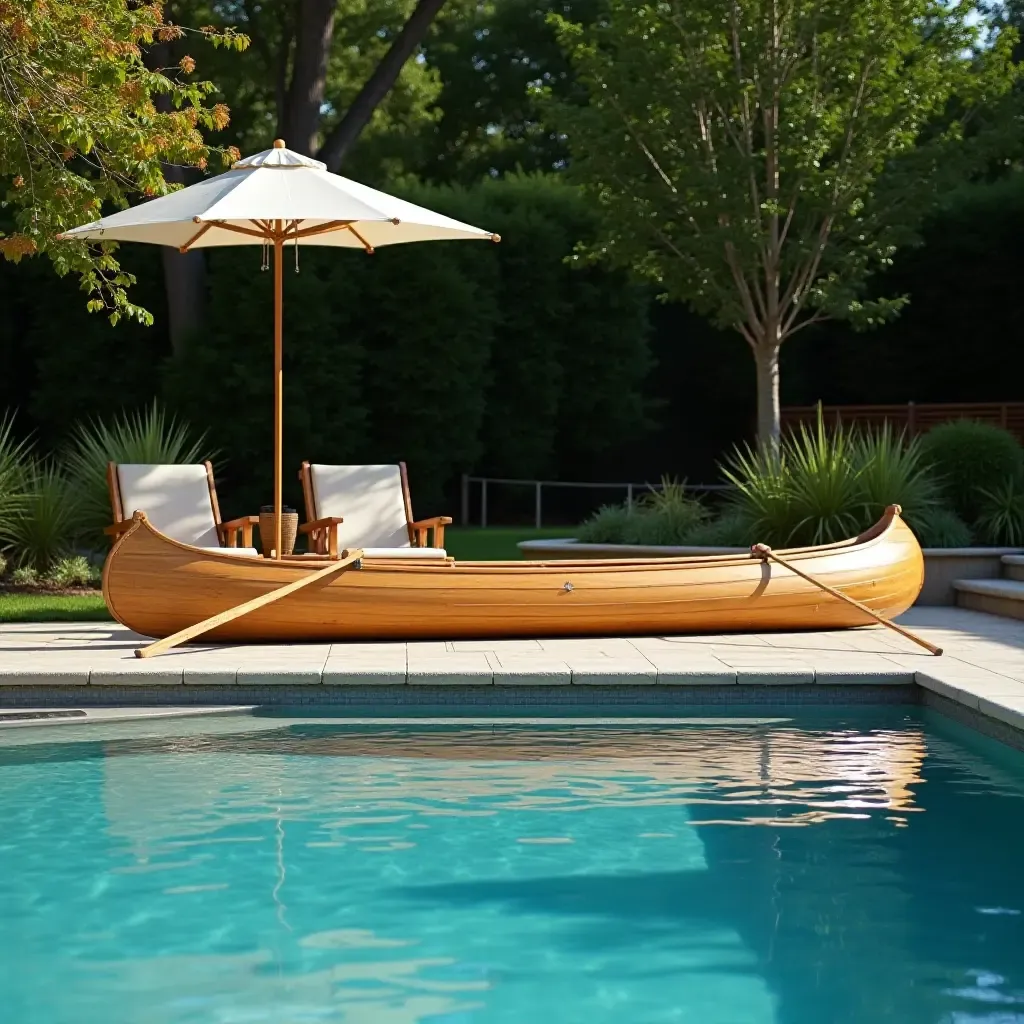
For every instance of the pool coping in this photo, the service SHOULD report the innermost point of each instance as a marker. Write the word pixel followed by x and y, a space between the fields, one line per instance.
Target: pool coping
pixel 92 666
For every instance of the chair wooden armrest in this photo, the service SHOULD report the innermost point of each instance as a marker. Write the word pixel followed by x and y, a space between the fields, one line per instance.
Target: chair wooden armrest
pixel 116 529
pixel 323 534
pixel 435 523
pixel 229 531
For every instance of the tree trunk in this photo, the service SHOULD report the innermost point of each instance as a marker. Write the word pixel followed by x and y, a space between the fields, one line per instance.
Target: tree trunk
pixel 184 273
pixel 185 287
pixel 378 85
pixel 766 358
pixel 315 33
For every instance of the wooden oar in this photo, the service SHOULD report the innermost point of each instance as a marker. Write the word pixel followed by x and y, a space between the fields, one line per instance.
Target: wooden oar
pixel 190 632
pixel 766 552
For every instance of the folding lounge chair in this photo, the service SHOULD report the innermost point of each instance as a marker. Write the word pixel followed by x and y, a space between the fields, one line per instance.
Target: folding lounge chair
pixel 181 502
pixel 366 507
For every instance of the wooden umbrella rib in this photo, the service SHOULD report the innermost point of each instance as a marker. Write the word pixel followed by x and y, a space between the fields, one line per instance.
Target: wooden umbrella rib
pixel 237 229
pixel 321 229
pixel 366 244
pixel 195 238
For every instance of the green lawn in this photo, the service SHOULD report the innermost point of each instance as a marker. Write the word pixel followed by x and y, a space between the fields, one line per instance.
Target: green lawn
pixel 52 608
pixel 495 543
pixel 467 543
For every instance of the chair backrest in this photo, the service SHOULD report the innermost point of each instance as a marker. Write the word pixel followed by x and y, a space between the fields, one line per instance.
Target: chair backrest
pixel 176 498
pixel 371 500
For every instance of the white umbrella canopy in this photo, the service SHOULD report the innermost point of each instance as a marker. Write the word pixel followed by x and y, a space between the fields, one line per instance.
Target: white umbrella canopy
pixel 314 206
pixel 277 198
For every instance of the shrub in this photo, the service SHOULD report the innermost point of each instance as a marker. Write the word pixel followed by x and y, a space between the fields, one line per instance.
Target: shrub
pixel 147 436
pixel 662 516
pixel 940 527
pixel 73 572
pixel 606 526
pixel 1001 519
pixel 44 527
pixel 969 458
pixel 24 576
pixel 726 531
pixel 3 565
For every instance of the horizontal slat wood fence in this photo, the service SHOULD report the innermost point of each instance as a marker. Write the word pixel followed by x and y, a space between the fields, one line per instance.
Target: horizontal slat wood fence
pixel 914 417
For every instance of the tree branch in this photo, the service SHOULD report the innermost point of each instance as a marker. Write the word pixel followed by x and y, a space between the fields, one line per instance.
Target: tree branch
pixel 345 133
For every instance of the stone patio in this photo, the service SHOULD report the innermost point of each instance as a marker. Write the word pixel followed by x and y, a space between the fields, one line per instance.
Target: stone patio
pixel 982 667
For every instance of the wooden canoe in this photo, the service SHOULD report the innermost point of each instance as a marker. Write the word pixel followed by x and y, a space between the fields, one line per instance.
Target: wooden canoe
pixel 157 586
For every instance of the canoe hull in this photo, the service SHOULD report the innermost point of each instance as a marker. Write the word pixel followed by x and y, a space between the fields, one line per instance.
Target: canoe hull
pixel 156 586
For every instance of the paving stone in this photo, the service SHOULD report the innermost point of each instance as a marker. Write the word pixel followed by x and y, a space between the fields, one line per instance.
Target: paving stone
pixel 364 672
pixel 496 646
pixel 49 675
pixel 693 672
pixel 531 670
pixel 1006 709
pixel 768 674
pixel 467 669
pixel 611 671
pixel 141 673
pixel 281 674
pixel 201 676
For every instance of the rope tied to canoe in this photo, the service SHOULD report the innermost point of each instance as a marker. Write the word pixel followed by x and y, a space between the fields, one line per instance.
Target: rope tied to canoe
pixel 764 552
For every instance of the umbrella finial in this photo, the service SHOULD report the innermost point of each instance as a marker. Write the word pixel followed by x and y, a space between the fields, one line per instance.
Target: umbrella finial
pixel 279 144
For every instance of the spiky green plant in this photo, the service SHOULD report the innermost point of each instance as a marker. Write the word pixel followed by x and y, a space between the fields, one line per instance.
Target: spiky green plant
pixel 14 455
pixel 1001 521
pixel 148 436
pixel 824 485
pixel 45 526
pixel 892 470
pixel 759 496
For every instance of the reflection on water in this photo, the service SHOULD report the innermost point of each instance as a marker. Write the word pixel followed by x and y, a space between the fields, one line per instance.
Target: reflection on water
pixel 313 872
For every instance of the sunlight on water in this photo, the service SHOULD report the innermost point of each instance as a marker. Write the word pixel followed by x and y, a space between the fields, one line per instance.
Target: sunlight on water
pixel 776 872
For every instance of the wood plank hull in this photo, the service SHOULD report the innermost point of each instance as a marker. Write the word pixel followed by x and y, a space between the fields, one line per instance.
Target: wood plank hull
pixel 157 586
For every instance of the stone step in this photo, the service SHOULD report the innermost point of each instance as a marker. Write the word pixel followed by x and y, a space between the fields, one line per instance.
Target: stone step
pixel 1013 567
pixel 997 597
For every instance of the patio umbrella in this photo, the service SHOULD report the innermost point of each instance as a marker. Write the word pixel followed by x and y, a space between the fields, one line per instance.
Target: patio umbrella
pixel 275 198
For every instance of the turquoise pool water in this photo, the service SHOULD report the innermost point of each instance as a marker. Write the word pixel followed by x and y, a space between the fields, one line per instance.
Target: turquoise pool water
pixel 850 867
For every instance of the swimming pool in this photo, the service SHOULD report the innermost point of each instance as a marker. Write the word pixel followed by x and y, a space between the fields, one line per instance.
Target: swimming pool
pixel 828 866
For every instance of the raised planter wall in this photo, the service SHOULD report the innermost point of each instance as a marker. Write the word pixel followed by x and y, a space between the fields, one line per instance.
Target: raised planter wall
pixel 941 565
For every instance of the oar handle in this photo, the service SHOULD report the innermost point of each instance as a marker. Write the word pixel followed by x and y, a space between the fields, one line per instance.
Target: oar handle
pixel 765 552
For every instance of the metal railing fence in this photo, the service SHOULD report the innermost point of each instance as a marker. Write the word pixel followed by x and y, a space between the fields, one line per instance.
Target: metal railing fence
pixel 631 489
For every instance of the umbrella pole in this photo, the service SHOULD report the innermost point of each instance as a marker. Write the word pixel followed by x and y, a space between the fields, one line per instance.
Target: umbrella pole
pixel 278 382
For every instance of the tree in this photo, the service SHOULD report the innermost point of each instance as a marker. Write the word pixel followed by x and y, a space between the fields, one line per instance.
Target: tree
pixel 498 60
pixel 320 71
pixel 80 126
pixel 760 159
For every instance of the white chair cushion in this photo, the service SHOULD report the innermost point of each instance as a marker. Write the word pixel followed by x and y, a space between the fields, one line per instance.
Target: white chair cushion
pixel 176 499
pixel 405 553
pixel 368 498
pixel 250 552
